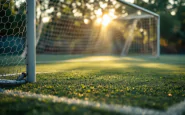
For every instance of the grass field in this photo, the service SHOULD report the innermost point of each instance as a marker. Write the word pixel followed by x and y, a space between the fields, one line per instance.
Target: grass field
pixel 132 81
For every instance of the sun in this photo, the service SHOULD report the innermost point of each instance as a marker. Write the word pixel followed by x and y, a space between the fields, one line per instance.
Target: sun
pixel 104 20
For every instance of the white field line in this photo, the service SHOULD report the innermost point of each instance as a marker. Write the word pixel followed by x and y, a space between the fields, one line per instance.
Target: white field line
pixel 174 110
pixel 5 75
pixel 177 108
pixel 14 74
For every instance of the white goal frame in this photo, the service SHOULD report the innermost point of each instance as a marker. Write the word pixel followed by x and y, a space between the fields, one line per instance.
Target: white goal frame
pixel 31 36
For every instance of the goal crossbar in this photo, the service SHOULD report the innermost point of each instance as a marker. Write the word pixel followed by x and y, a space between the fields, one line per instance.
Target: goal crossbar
pixel 138 7
pixel 133 16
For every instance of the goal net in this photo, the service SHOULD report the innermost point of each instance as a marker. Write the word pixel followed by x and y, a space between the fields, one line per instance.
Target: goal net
pixel 95 27
pixel 70 27
pixel 12 40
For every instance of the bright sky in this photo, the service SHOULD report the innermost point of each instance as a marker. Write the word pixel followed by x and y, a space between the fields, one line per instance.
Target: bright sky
pixel 131 1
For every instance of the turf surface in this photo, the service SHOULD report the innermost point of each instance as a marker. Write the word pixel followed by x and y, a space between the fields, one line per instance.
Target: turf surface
pixel 134 81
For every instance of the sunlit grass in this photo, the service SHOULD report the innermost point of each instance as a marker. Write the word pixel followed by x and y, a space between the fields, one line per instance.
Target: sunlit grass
pixel 149 89
pixel 135 81
pixel 60 64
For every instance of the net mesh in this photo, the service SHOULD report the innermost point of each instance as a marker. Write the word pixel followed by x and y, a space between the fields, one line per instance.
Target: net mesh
pixel 94 27
pixel 12 38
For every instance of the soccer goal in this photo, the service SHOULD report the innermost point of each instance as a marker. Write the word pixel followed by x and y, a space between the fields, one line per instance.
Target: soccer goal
pixel 69 27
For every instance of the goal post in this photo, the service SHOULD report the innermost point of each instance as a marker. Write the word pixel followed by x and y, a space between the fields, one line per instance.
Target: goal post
pixel 158 37
pixel 31 38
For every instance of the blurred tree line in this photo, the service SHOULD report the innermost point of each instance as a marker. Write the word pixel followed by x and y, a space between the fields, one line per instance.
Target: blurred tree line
pixel 172 13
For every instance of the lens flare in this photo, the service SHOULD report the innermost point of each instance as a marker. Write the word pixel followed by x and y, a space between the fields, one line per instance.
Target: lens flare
pixel 86 21
pixel 106 20
pixel 99 21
